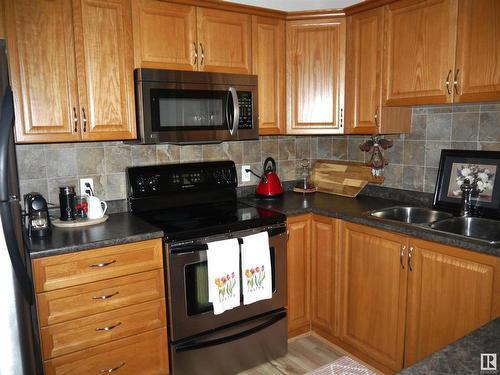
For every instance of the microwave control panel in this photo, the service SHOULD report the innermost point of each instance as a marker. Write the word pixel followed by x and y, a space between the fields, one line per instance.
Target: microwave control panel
pixel 246 108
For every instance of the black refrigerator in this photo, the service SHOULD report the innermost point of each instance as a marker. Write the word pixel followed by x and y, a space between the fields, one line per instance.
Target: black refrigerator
pixel 19 354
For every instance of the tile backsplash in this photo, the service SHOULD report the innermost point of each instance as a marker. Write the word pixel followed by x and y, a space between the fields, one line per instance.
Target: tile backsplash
pixel 413 160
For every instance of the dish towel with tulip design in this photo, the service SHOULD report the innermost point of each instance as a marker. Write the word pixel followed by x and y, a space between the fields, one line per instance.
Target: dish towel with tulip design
pixel 256 268
pixel 223 258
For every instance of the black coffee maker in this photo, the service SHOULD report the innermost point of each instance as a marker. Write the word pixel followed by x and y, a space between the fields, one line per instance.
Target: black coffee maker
pixel 37 215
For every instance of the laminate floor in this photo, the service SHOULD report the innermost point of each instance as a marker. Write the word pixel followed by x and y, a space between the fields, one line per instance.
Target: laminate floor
pixel 305 354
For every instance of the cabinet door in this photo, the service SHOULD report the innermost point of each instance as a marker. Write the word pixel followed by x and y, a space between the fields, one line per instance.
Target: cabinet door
pixel 268 52
pixel 299 258
pixel 164 35
pixel 420 52
pixel 365 40
pixel 449 295
pixel 225 40
pixel 373 293
pixel 478 51
pixel 43 70
pixel 105 69
pixel 323 275
pixel 315 76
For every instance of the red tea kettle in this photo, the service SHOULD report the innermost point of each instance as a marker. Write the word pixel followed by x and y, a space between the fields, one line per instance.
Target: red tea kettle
pixel 270 184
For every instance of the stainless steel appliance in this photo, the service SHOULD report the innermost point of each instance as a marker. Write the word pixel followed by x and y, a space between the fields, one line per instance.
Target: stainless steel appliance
pixel 195 204
pixel 18 354
pixel 195 107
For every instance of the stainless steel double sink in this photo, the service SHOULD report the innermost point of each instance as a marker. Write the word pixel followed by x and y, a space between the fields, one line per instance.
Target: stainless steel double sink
pixel 478 228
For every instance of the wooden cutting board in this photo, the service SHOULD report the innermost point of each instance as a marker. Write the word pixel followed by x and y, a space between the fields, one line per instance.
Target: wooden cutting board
pixel 342 178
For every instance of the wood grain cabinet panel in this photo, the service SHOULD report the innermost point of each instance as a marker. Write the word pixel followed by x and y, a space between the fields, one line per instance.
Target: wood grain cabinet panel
pixel 450 293
pixel 43 70
pixel 323 275
pixel 365 111
pixel 373 293
pixel 83 300
pixel 103 31
pixel 164 35
pixel 268 53
pixel 315 76
pixel 299 274
pixel 420 52
pixel 69 337
pixel 62 271
pixel 477 70
pixel 225 41
pixel 143 354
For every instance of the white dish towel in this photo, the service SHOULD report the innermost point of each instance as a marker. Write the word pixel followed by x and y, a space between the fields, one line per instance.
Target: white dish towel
pixel 223 258
pixel 256 268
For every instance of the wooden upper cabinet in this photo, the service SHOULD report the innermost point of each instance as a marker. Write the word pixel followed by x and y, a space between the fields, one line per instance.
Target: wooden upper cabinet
pixel 365 112
pixel 43 70
pixel 268 52
pixel 315 56
pixel 373 292
pixel 103 31
pixel 323 275
pixel 420 52
pixel 478 51
pixel 299 274
pixel 225 41
pixel 450 294
pixel 164 35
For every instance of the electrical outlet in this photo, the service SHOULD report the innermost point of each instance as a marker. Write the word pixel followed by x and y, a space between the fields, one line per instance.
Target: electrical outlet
pixel 245 176
pixel 83 188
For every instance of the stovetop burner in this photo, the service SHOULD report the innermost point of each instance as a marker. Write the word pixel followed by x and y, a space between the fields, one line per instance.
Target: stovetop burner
pixel 189 222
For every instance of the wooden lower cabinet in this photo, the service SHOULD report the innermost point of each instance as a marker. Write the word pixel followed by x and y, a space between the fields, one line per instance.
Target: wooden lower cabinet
pixel 103 310
pixel 299 274
pixel 324 275
pixel 143 354
pixel 373 293
pixel 386 298
pixel 450 293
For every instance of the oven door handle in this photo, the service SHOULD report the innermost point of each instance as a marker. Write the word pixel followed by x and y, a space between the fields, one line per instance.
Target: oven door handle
pixel 199 344
pixel 233 118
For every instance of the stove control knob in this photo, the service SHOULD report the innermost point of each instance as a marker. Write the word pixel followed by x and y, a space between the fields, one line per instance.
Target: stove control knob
pixel 141 184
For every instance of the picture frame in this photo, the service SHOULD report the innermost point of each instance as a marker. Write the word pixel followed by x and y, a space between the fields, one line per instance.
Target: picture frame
pixel 480 166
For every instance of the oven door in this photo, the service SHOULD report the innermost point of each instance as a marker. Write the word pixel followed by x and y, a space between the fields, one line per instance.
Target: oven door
pixel 193 113
pixel 190 312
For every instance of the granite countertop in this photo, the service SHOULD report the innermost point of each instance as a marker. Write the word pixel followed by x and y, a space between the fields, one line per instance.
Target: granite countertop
pixel 354 210
pixel 463 356
pixel 120 228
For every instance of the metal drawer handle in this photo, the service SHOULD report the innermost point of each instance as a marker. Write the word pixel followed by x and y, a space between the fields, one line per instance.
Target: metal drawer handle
pixel 375 116
pixel 106 296
pixel 104 264
pixel 195 54
pixel 401 255
pixel 109 370
pixel 109 328
pixel 410 265
pixel 202 54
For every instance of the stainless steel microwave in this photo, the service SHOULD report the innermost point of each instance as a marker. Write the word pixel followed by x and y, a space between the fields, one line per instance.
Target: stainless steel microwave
pixel 195 107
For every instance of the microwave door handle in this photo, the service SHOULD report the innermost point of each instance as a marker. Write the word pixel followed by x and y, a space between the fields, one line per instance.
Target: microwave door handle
pixel 235 118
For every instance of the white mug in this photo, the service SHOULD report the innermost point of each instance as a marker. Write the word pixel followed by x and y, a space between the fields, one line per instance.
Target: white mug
pixel 96 207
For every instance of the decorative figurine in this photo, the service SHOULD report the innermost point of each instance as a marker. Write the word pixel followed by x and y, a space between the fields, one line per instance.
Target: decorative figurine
pixel 375 146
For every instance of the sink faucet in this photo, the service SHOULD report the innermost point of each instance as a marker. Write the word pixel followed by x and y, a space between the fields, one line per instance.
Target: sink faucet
pixel 468 189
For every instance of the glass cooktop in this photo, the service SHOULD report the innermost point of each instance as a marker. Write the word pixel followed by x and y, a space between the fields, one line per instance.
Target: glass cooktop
pixel 192 222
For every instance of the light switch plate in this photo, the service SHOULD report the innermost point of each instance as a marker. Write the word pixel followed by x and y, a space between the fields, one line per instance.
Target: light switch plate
pixel 83 181
pixel 245 176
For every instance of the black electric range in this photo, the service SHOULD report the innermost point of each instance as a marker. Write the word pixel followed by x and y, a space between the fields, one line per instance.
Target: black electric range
pixel 193 200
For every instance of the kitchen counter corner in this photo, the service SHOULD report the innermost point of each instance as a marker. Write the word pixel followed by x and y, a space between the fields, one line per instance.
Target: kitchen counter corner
pixel 120 228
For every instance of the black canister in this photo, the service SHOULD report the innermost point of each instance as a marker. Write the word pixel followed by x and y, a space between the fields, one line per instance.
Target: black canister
pixel 67 202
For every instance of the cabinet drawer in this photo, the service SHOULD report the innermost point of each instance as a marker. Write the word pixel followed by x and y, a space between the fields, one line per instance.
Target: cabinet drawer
pixel 140 354
pixel 80 301
pixel 98 329
pixel 62 271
